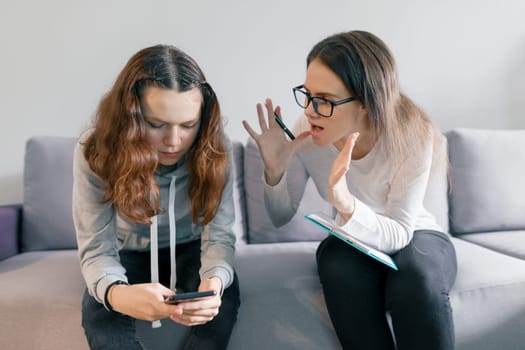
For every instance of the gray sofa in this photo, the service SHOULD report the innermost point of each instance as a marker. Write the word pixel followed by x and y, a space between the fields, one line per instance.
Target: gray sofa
pixel 282 304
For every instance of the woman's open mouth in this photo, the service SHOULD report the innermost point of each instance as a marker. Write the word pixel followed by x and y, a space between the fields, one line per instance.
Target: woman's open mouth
pixel 316 129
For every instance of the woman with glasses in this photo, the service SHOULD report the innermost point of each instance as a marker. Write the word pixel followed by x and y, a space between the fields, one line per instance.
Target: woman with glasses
pixel 370 152
pixel 153 206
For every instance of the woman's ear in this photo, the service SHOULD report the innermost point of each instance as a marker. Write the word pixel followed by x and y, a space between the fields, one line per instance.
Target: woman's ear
pixel 361 109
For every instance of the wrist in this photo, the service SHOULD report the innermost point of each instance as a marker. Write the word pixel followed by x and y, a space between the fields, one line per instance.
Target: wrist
pixel 347 212
pixel 273 177
pixel 108 297
pixel 217 283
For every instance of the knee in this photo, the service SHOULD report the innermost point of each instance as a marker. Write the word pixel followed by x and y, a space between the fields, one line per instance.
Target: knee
pixel 328 258
pixel 337 261
pixel 417 287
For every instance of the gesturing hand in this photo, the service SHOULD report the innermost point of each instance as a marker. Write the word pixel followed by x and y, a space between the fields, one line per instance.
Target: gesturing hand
pixel 276 151
pixel 338 194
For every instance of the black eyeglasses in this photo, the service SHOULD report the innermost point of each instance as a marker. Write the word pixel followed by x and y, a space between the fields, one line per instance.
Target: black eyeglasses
pixel 322 106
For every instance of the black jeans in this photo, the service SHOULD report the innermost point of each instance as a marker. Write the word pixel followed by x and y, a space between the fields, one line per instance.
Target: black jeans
pixel 112 330
pixel 359 290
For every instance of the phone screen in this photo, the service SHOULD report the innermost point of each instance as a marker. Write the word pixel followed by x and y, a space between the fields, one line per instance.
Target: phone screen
pixel 191 296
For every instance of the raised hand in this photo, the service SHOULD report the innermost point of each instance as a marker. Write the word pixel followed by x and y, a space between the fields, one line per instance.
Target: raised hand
pixel 276 151
pixel 338 194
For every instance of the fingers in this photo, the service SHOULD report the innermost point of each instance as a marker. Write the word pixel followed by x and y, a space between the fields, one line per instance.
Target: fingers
pixel 349 146
pixel 270 112
pixel 193 315
pixel 250 131
pixel 260 116
pixel 191 320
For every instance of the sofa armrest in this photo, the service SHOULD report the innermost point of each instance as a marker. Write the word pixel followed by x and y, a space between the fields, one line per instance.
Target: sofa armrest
pixel 10 218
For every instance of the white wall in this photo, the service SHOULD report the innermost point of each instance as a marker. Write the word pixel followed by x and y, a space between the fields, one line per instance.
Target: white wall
pixel 463 61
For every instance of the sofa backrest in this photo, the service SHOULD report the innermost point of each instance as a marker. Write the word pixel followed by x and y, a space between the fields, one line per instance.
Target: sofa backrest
pixel 260 227
pixel 487 183
pixel 47 219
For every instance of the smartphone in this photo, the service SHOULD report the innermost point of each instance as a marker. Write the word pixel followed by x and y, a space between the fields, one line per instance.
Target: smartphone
pixel 191 296
pixel 281 124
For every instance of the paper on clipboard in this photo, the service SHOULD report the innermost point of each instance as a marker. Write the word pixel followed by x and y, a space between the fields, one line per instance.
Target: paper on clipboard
pixel 328 224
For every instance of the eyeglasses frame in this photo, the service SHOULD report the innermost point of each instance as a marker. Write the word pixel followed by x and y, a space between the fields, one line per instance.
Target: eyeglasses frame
pixel 311 98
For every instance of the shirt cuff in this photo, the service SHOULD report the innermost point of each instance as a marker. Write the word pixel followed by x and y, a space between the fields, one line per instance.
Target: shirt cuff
pixel 103 285
pixel 280 186
pixel 222 274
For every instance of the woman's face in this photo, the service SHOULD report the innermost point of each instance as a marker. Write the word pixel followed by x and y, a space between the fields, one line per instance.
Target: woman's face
pixel 346 118
pixel 172 121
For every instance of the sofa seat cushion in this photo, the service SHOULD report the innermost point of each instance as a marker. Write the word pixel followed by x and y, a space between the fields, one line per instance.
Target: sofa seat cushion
pixel 40 301
pixel 508 242
pixel 282 305
pixel 487 298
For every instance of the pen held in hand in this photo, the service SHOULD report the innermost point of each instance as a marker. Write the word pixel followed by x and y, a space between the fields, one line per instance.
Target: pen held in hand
pixel 281 124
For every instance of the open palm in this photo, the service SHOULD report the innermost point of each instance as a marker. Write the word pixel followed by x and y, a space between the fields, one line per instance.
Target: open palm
pixel 338 194
pixel 276 151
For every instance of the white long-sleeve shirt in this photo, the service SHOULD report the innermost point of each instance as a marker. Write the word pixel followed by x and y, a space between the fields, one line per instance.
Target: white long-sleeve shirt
pixel 388 197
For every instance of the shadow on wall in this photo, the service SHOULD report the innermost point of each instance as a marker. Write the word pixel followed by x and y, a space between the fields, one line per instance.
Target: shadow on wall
pixel 516 90
pixel 11 189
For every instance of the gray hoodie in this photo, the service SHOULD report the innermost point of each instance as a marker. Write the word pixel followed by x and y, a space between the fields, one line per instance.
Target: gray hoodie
pixel 101 231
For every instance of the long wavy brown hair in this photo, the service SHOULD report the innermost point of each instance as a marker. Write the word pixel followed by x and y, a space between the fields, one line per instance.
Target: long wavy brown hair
pixel 118 153
pixel 367 68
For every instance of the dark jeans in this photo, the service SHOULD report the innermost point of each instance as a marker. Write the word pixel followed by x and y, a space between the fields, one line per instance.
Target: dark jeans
pixel 358 290
pixel 112 330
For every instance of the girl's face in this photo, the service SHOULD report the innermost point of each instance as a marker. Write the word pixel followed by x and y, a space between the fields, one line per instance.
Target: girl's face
pixel 172 121
pixel 346 118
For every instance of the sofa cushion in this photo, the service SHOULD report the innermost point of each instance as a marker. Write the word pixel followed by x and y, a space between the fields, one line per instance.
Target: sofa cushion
pixel 487 298
pixel 511 243
pixel 9 222
pixel 282 303
pixel 40 301
pixel 260 227
pixel 487 190
pixel 47 221
pixel 240 225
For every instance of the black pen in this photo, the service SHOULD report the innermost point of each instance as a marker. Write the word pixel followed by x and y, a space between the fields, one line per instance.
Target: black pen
pixel 281 124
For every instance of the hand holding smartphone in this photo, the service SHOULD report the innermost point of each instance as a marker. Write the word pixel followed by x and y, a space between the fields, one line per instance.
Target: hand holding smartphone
pixel 186 297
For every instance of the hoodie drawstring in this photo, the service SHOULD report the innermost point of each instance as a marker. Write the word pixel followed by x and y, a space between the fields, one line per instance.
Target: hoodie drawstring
pixel 173 235
pixel 154 261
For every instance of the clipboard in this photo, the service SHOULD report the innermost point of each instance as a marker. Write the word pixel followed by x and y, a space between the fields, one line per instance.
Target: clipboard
pixel 328 224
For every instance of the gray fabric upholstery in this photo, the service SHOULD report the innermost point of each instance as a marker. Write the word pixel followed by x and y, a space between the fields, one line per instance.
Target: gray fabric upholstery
pixel 240 225
pixel 261 228
pixel 40 301
pixel 487 169
pixel 48 182
pixel 510 243
pixel 487 299
pixel 9 222
pixel 282 305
